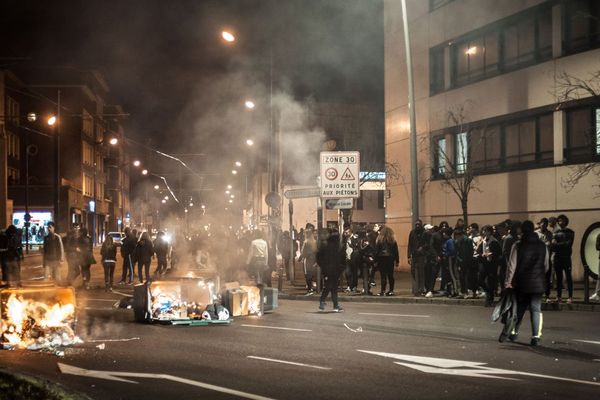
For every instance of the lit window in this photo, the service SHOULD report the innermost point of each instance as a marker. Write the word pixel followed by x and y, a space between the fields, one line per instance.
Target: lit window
pixel 461 152
pixel 597 131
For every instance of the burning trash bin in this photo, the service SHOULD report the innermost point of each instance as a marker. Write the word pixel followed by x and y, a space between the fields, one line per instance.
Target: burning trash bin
pixel 178 301
pixel 39 317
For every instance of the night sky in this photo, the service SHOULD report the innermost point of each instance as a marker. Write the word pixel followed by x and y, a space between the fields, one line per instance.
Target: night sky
pixel 167 65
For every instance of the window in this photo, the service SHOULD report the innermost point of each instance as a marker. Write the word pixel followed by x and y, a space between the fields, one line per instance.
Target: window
pixel 510 144
pixel 14 176
pixel 381 199
pixel 439 148
pixel 87 124
pixel 582 25
pixel 583 134
pixel 462 152
pixel 506 45
pixel 14 145
pixel 360 200
pixel 88 185
pixel 100 191
pixel 12 111
pixel 88 153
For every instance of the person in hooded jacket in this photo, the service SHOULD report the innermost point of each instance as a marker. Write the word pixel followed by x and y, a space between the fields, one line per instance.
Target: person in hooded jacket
pixel 85 246
pixel 331 258
pixel 387 259
pixel 526 274
pixel 128 254
pixel 11 254
pixel 108 251
pixel 144 251
pixel 161 248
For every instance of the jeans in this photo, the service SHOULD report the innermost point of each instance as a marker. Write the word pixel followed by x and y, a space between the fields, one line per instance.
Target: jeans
pixel 534 303
pixel 52 270
pixel 560 265
pixel 386 269
pixel 109 272
pixel 161 266
pixel 418 275
pixel 86 274
pixel 330 286
pixel 490 280
pixel 127 274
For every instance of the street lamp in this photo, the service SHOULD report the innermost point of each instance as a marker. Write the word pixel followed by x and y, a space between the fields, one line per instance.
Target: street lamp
pixel 137 163
pixel 228 186
pixel 250 142
pixel 234 172
pixel 51 121
pixel 238 164
pixel 156 187
pixel 228 36
pixel 144 172
pixel 249 104
pixel 94 203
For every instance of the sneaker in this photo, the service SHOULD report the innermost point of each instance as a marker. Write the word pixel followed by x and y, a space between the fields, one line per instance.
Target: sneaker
pixel 558 300
pixel 381 294
pixel 429 294
pixel 513 337
pixel 322 306
pixel 595 297
pixel 310 293
pixel 338 309
pixel 481 295
pixel 373 284
pixel 390 293
pixel 503 337
pixel 570 300
pixel 535 341
pixel 347 290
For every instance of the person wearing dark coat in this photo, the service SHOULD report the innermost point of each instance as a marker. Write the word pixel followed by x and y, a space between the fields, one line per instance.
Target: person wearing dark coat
pixel 109 260
pixel 11 254
pixel 562 244
pixel 128 253
pixel 53 253
pixel 85 247
pixel 144 251
pixel 331 258
pixel 161 248
pixel 419 251
pixel 526 274
pixel 387 258
pixel 491 253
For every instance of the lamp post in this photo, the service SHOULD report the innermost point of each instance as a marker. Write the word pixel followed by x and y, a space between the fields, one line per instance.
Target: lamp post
pixel 93 205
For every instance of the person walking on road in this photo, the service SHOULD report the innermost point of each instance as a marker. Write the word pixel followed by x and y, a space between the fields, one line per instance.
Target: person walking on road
pixel 526 274
pixel 161 248
pixel 331 258
pixel 11 254
pixel 109 260
pixel 562 244
pixel 128 253
pixel 144 251
pixel 86 247
pixel 309 258
pixel 53 254
pixel 387 259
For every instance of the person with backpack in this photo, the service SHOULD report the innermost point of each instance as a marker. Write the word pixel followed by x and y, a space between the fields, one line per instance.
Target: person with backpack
pixel 109 260
pixel 387 259
pixel 526 274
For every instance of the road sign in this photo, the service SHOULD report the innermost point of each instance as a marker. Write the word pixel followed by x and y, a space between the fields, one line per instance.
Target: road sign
pixel 340 172
pixel 339 204
pixel 303 193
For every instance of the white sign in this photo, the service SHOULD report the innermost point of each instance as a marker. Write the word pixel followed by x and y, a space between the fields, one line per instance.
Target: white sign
pixel 303 193
pixel 340 174
pixel 339 204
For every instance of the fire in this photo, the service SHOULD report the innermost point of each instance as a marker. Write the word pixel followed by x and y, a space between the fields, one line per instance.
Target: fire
pixel 33 325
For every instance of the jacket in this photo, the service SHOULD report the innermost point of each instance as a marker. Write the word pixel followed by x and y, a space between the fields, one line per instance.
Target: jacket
pixel 144 251
pixel 331 257
pixel 128 246
pixel 598 244
pixel 384 249
pixel 108 253
pixel 53 248
pixel 464 251
pixel 527 265
pixel 161 248
pixel 563 247
pixel 419 243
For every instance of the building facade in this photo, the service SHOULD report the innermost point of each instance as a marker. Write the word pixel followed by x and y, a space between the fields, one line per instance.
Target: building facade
pixel 494 93
pixel 88 193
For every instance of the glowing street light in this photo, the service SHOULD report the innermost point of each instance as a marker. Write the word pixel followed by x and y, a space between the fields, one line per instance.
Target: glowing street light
pixel 230 201
pixel 163 201
pixel 250 142
pixel 232 196
pixel 234 171
pixel 228 36
pixel 227 192
pixel 52 120
pixel 156 187
pixel 137 163
pixel 249 104
pixel 113 141
pixel 228 186
pixel 238 164
pixel 144 172
pixel 191 204
pixel 186 210
pixel 166 197
pixel 203 206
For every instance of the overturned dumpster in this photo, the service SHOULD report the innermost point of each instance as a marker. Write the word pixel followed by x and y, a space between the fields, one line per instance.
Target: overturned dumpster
pixel 37 317
pixel 179 301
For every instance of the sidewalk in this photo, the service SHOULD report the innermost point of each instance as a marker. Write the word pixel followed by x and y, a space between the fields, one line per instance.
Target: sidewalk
pixel 403 295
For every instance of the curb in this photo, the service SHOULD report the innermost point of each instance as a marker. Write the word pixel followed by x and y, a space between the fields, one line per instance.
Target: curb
pixel 22 386
pixel 438 301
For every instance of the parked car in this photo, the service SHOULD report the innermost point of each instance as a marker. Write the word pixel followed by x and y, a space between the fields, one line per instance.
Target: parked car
pixel 117 237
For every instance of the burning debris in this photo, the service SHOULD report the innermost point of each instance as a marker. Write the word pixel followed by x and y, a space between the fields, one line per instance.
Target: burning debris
pixel 36 319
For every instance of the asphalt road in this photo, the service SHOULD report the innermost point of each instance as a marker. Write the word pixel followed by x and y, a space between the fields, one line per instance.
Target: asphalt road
pixel 371 351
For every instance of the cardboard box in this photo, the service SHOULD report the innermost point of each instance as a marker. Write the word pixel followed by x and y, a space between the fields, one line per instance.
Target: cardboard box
pixel 253 298
pixel 238 302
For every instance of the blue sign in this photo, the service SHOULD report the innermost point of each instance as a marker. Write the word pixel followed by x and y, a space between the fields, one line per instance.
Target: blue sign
pixel 92 206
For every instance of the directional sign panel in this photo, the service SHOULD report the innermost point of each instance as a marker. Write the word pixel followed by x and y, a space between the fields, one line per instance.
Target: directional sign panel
pixel 340 172
pixel 339 204
pixel 303 193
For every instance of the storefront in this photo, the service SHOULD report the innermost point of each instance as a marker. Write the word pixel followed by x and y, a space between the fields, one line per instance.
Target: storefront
pixel 38 225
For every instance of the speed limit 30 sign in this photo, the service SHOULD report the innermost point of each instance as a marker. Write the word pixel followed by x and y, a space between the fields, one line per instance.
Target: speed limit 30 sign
pixel 340 174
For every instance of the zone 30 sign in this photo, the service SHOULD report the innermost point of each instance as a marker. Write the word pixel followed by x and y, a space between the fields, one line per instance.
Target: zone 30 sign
pixel 340 174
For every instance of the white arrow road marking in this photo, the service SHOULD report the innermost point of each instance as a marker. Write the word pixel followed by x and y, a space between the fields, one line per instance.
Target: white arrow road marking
pixel 108 300
pixel 288 362
pixel 276 327
pixel 587 341
pixel 395 315
pixel 472 369
pixel 112 340
pixel 122 294
pixel 114 376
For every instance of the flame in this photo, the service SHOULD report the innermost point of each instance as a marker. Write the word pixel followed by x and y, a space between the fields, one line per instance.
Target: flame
pixel 34 324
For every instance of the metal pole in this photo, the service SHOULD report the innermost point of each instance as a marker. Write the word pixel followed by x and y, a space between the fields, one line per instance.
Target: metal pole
pixel 414 172
pixel 292 238
pixel 94 199
pixel 57 164
pixel 27 216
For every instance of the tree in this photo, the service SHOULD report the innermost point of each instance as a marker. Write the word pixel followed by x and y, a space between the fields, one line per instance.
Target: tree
pixel 452 158
pixel 571 88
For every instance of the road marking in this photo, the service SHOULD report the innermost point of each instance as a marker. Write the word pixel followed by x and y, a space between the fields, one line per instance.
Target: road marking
pixel 289 362
pixel 115 376
pixel 395 315
pixel 122 294
pixel 587 341
pixel 111 300
pixel 359 329
pixel 112 340
pixel 277 327
pixel 471 369
pixel 98 309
